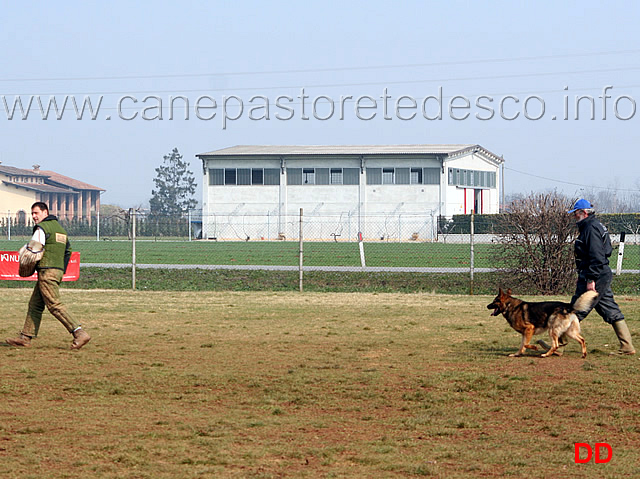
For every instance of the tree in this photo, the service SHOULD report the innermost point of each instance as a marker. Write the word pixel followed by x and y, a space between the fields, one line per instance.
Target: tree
pixel 175 186
pixel 535 248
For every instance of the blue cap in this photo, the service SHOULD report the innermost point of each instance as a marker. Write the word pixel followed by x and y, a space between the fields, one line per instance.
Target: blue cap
pixel 581 204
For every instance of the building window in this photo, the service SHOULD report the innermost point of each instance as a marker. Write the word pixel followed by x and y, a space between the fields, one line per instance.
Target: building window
pixel 374 176
pixel 387 176
pixel 472 178
pixel 403 176
pixel 336 176
pixel 309 176
pixel 244 176
pixel 431 176
pixel 229 176
pixel 257 176
pixel 406 176
pixel 294 176
pixel 271 176
pixel 416 176
pixel 322 176
pixel 351 176
pixel 216 176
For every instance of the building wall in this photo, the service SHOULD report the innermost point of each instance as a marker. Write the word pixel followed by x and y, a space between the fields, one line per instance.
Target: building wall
pixel 15 199
pixel 461 200
pixel 379 211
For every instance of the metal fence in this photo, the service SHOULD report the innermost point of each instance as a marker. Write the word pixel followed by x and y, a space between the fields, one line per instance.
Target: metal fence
pixel 341 242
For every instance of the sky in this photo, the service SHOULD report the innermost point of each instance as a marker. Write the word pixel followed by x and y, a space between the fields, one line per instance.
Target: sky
pixel 502 74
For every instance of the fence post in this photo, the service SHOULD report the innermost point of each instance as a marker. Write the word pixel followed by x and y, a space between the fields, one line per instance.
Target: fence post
pixel 189 219
pixel 620 254
pixel 301 250
pixel 9 225
pixel 471 240
pixel 361 247
pixel 98 225
pixel 133 248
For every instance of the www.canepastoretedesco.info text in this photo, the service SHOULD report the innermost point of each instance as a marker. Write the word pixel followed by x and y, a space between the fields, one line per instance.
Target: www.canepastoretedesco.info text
pixel 303 106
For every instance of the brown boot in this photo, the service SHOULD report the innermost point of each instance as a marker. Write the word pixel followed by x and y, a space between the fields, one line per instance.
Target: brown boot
pixel 80 338
pixel 22 341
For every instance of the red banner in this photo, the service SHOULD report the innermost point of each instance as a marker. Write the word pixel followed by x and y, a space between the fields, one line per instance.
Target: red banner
pixel 9 267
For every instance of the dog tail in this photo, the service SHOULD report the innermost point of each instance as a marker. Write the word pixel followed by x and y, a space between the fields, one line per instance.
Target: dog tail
pixel 585 301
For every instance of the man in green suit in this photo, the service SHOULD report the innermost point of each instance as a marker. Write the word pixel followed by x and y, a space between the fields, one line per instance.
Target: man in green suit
pixel 57 251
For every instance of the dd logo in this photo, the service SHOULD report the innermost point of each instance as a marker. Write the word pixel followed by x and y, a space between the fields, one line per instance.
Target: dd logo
pixel 598 458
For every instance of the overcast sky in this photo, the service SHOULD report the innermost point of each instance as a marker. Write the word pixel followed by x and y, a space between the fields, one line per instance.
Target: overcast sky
pixel 507 68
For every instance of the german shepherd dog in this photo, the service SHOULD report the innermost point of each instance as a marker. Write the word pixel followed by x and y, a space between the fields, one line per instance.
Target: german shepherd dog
pixel 534 318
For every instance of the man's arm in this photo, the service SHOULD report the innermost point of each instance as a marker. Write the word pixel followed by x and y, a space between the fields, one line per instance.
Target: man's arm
pixel 596 256
pixel 39 236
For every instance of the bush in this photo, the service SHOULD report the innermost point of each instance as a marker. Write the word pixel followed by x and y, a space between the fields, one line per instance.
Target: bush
pixel 536 238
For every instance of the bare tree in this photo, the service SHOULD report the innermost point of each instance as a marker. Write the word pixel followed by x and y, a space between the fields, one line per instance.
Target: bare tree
pixel 613 200
pixel 535 248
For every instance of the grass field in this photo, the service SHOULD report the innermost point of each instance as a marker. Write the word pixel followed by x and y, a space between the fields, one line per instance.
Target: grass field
pixel 442 255
pixel 265 385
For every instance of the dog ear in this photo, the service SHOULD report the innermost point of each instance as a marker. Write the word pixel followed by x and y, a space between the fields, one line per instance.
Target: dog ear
pixel 509 291
pixel 500 293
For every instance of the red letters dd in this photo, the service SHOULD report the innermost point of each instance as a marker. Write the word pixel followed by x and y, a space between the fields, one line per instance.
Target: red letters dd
pixel 597 447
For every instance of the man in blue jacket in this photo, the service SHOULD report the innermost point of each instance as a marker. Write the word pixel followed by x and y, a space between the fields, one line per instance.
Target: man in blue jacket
pixel 592 250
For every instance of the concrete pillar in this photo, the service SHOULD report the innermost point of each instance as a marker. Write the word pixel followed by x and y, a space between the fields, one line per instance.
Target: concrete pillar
pixel 97 200
pixel 71 201
pixel 89 206
pixel 80 205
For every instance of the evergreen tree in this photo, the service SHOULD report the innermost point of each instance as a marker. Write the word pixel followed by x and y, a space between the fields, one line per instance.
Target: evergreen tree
pixel 175 186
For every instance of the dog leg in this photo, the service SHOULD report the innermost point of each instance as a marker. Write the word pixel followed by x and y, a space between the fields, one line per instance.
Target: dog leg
pixel 574 333
pixel 554 344
pixel 521 350
pixel 526 339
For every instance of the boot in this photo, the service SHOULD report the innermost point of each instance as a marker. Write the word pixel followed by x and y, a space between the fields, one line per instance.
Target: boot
pixel 22 340
pixel 624 336
pixel 80 338
pixel 547 347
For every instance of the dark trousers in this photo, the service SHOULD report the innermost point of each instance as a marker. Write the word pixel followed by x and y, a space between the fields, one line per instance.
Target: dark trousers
pixel 605 305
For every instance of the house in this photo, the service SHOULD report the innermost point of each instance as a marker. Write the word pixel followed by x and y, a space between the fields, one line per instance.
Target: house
pixel 384 192
pixel 67 198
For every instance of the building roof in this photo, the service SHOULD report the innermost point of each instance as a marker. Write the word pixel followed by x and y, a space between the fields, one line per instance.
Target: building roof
pixel 69 182
pixel 54 182
pixel 316 150
pixel 11 170
pixel 42 187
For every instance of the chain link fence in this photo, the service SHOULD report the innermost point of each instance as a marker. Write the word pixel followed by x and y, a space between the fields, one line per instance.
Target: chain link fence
pixel 348 242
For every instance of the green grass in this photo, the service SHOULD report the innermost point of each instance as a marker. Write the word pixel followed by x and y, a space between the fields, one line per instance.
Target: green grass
pixel 313 281
pixel 261 385
pixel 276 253
pixel 443 255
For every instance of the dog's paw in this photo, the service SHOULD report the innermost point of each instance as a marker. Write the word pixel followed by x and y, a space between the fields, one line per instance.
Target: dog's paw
pixel 515 355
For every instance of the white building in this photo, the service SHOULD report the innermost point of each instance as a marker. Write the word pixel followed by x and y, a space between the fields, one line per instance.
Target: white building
pixel 386 192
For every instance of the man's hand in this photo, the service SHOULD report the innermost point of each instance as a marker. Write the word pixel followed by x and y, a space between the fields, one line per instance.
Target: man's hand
pixel 591 285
